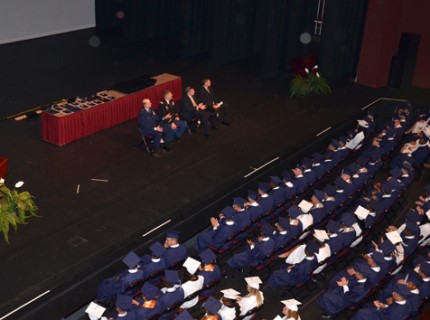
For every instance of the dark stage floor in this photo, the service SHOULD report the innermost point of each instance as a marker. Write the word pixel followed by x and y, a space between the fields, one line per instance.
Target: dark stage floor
pixel 79 234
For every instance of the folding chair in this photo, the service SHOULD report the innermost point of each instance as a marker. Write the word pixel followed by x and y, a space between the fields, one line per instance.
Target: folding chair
pixel 146 140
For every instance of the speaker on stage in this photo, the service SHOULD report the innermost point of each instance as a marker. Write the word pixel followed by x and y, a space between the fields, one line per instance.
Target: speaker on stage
pixel 403 63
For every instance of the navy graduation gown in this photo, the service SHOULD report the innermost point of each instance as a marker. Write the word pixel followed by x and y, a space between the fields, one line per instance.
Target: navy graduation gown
pixel 211 273
pixel 169 299
pixel 242 219
pixel 255 212
pixel 175 254
pixel 149 309
pixel 280 240
pixel 278 195
pixel 252 257
pixel 266 203
pixel 394 311
pixel 215 238
pixel 109 288
pixel 299 274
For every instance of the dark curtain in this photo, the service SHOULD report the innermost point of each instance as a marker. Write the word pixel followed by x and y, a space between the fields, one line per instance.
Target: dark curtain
pixel 341 38
pixel 230 30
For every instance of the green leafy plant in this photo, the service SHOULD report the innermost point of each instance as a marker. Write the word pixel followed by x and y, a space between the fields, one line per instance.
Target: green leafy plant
pixel 312 84
pixel 15 208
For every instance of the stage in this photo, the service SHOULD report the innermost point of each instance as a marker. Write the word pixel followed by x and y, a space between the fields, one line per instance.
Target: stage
pixel 80 237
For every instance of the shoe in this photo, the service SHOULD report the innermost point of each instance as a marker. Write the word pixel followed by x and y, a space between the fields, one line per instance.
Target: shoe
pixel 225 123
pixel 215 127
pixel 326 316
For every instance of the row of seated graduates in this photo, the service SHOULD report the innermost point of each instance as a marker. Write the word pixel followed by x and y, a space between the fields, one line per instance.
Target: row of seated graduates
pixel 376 274
pixel 370 126
pixel 223 242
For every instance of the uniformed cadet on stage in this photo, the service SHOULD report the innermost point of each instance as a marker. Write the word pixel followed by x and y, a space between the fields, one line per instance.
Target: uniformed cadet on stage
pixel 169 114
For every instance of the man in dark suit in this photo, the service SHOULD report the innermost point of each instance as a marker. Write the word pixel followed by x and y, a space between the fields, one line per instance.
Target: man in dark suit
pixel 192 108
pixel 217 108
pixel 169 114
pixel 149 124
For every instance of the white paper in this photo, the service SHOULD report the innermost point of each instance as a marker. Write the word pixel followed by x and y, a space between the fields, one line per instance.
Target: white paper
pixel 354 142
pixel 95 310
pixel 297 255
pixel 305 206
pixel 321 235
pixel 363 123
pixel 361 212
pixel 394 237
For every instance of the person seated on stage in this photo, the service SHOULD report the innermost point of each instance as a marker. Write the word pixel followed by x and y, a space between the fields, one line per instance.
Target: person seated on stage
pixel 191 283
pixel 395 307
pixel 230 309
pixel 212 307
pixel 169 114
pixel 290 310
pixel 155 263
pixel 291 275
pixel 221 231
pixel 193 109
pixel 150 124
pixel 172 293
pixel 348 292
pixel 149 303
pixel 109 288
pixel 253 207
pixel 255 252
pixel 210 271
pixel 218 109
pixel 254 298
pixel 175 252
pixel 124 308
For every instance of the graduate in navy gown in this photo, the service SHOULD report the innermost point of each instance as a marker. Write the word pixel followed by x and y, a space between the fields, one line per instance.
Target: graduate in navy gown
pixel 265 201
pixel 219 233
pixel 300 182
pixel 407 286
pixel 347 293
pixel 308 172
pixel 288 185
pixel 291 275
pixel 149 303
pixel 295 227
pixel 175 253
pixel 281 236
pixel 276 192
pixel 318 165
pixel 242 217
pixel 125 310
pixel 397 307
pixel 172 293
pixel 255 251
pixel 318 210
pixel 212 306
pixel 154 264
pixel 254 208
pixel 210 271
pixel 410 236
pixel 109 288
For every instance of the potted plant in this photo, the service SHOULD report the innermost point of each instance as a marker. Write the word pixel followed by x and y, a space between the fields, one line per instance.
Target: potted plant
pixel 15 207
pixel 310 84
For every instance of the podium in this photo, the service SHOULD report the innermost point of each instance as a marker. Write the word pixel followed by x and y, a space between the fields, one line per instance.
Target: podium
pixel 3 167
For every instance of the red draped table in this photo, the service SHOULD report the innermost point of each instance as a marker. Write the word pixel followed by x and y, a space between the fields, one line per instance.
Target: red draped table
pixel 63 130
pixel 3 167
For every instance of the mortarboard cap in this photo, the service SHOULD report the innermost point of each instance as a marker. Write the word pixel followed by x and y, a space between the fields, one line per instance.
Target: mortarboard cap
pixel 291 304
pixel 253 194
pixel 157 249
pixel 124 302
pixel 172 234
pixel 317 156
pixel 340 183
pixel 361 161
pixel 284 222
pixel 149 291
pixel 267 229
pixel 348 219
pixel 387 248
pixel 192 265
pixel 312 247
pixel 239 201
pixel 212 305
pixel 207 256
pixel 286 175
pixel 294 211
pixel 333 226
pixel 230 293
pixel 334 143
pixel 228 212
pixel 402 290
pixel 172 277
pixel 184 315
pixel 425 268
pixel 330 190
pixel 307 162
pixel 353 168
pixel 276 180
pixel 406 165
pixel 253 282
pixel 413 228
pixel 387 187
pixel 348 171
pixel 263 186
pixel 321 235
pixel 320 195
pixel 131 260
pixel 363 268
pixel 413 216
pixel 371 113
pixel 396 172
pixel 427 189
pixel 95 311
pixel 375 155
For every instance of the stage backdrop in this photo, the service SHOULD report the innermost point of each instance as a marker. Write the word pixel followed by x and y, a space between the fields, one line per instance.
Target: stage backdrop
pixel 27 19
